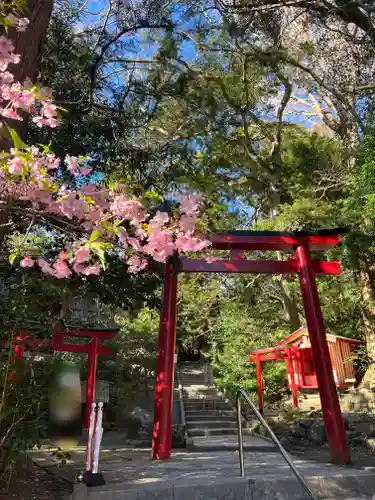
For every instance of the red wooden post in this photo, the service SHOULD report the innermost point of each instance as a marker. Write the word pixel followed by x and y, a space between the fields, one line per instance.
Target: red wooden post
pixel 162 432
pixel 91 378
pixel 17 354
pixel 291 376
pixel 299 367
pixel 323 367
pixel 259 382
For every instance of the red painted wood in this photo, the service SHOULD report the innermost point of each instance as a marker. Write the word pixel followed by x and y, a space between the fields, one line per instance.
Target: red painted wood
pixel 299 368
pixel 292 381
pixel 258 367
pixel 267 242
pixel 322 362
pixel 237 255
pixel 265 357
pixel 91 378
pixel 81 348
pixel 86 333
pixel 162 431
pixel 254 266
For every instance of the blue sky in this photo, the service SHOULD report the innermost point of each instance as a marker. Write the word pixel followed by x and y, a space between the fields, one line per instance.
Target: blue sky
pixel 145 49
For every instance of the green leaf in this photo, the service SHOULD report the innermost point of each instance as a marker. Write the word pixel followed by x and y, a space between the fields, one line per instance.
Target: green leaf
pixel 13 256
pixel 153 197
pixel 17 141
pixel 94 235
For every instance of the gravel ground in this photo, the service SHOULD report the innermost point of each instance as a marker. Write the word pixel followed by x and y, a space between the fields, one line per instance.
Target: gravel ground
pixel 34 483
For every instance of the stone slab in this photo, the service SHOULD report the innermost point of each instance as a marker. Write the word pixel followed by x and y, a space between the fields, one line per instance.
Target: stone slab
pixel 230 442
pixel 215 476
pixel 237 489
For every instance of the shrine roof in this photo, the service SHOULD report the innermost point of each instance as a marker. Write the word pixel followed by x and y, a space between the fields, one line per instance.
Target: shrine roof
pixel 301 332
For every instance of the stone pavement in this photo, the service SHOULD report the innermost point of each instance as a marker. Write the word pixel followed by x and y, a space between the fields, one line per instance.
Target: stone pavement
pixel 130 474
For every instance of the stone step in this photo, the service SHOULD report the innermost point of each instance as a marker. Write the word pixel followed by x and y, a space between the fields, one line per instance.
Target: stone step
pixel 211 424
pixel 203 404
pixel 216 431
pixel 209 415
pixel 202 400
pixel 203 417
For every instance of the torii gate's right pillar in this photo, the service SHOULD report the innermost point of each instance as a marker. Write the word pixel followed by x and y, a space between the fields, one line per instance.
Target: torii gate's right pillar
pixel 333 420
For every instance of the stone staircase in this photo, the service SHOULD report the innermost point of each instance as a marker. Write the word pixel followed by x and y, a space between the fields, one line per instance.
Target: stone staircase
pixel 207 413
pixel 211 419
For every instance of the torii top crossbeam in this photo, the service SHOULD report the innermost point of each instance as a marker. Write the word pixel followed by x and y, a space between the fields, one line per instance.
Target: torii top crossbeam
pixel 277 240
pixel 239 241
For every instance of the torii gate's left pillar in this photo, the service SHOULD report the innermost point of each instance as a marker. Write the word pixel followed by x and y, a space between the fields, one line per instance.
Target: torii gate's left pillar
pixel 164 386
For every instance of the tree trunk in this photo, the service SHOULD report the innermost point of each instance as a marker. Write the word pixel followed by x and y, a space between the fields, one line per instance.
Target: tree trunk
pixel 290 306
pixel 29 45
pixel 368 312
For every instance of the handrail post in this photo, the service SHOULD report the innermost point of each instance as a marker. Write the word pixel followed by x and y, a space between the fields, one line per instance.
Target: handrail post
pixel 289 461
pixel 239 433
pixel 182 406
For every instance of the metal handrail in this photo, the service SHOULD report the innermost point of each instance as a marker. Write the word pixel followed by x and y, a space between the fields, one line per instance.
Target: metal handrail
pixel 182 406
pixel 242 393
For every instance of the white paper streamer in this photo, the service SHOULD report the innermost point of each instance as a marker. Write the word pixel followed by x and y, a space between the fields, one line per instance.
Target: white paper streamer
pixel 98 438
pixel 90 437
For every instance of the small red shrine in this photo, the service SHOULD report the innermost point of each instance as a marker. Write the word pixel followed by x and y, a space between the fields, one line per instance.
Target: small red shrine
pixel 24 342
pixel 297 353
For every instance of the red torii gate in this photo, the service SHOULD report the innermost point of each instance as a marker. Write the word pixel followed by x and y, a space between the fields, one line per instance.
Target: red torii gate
pixel 25 342
pixel 301 243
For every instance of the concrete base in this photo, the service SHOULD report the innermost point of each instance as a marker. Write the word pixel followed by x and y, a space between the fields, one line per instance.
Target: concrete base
pixel 215 476
pixel 336 488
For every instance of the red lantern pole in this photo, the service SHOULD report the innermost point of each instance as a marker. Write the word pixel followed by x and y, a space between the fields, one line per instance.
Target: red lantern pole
pixel 323 367
pixel 162 432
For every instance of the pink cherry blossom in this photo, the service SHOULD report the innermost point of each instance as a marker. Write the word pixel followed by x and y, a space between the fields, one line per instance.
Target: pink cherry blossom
pixel 128 209
pixel 190 204
pixel 135 244
pixel 85 171
pixel 10 113
pixel 73 164
pixel 136 264
pixel 72 206
pixel 27 262
pixel 123 236
pixel 45 267
pixel 94 269
pixel 6 78
pixel 89 189
pixel 187 223
pixel 159 220
pixel 48 110
pixel 91 207
pixel 52 162
pixel 15 166
pixel 82 255
pixel 160 245
pixel 187 243
pixel 61 269
pixel 46 92
pixel 63 255
pixel 47 122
